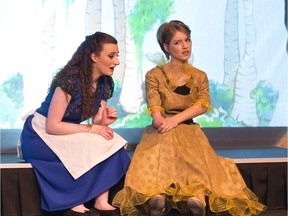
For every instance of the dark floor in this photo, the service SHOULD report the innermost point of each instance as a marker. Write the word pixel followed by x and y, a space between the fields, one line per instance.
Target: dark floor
pixel 280 212
pixel 266 213
pixel 275 213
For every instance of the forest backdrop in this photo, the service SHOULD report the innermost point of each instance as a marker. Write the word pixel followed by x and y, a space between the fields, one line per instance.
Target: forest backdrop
pixel 240 44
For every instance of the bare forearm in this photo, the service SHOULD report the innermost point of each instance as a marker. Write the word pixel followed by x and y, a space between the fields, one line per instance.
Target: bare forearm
pixel 65 128
pixel 190 113
pixel 171 122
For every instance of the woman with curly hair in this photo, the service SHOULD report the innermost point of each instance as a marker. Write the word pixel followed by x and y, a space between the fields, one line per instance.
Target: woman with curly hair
pixel 76 156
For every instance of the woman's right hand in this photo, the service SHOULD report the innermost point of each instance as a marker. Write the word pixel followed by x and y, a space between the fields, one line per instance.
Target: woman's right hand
pixel 103 131
pixel 157 119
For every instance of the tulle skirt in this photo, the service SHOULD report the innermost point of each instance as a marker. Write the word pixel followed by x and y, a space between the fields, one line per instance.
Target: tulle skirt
pixel 181 164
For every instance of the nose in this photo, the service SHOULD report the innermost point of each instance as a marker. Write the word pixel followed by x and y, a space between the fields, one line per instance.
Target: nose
pixel 184 44
pixel 116 61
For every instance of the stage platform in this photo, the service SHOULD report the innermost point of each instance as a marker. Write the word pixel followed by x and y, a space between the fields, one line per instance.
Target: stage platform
pixel 239 155
pixel 263 169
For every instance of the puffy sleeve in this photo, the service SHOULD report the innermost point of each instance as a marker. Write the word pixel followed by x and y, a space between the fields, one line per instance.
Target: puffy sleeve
pixel 202 88
pixel 152 92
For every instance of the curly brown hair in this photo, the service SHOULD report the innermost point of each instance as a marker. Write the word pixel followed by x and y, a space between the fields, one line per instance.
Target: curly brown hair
pixel 80 67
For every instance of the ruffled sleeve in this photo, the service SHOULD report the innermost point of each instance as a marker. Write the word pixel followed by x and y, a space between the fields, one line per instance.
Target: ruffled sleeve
pixel 202 88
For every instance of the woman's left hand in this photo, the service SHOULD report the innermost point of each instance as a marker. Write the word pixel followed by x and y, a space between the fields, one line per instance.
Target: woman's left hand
pixel 109 116
pixel 168 124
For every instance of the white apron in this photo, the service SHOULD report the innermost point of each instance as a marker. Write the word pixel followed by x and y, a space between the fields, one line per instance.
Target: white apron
pixel 78 152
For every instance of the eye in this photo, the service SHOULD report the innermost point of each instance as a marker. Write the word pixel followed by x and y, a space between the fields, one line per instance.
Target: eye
pixel 113 55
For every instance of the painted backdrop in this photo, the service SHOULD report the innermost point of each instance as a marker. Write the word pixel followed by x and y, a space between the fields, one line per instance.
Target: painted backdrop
pixel 240 44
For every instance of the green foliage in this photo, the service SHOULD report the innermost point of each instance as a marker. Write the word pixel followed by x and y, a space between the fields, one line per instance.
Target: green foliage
pixel 145 15
pixel 8 114
pixel 114 101
pixel 222 103
pixel 137 120
pixel 266 99
pixel 208 121
pixel 13 89
pixel 12 100
pixel 221 96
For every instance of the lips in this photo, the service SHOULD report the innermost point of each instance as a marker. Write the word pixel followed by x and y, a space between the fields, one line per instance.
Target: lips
pixel 186 53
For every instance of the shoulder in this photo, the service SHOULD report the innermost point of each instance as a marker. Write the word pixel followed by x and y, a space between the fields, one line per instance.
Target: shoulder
pixel 66 77
pixel 199 75
pixel 70 83
pixel 199 72
pixel 156 71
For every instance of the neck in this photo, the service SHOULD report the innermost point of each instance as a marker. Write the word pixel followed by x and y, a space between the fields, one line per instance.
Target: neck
pixel 175 66
pixel 176 62
pixel 95 75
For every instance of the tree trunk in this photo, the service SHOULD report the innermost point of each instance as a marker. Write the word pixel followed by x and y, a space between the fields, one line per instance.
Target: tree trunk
pixel 231 41
pixel 120 33
pixel 244 109
pixel 131 96
pixel 93 16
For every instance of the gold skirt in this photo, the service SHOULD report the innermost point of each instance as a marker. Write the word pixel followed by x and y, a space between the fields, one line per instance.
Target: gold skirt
pixel 181 164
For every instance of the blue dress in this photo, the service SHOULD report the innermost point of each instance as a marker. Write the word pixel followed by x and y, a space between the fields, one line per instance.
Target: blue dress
pixel 59 190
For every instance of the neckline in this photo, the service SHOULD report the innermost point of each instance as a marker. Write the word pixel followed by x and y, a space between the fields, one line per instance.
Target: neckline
pixel 172 85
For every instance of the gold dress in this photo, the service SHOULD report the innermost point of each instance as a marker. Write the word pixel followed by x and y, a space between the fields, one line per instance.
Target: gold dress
pixel 181 163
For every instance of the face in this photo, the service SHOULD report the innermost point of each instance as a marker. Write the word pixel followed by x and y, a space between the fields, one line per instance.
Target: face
pixel 107 60
pixel 179 47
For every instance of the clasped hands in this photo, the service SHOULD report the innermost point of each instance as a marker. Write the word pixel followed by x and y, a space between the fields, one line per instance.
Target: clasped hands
pixel 165 124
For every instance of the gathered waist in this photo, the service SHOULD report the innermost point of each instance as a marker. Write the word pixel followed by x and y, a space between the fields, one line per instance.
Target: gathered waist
pixel 189 121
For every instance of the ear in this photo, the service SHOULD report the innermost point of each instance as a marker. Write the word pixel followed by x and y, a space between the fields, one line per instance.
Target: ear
pixel 94 57
pixel 166 47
